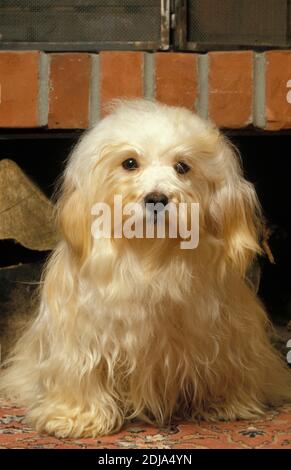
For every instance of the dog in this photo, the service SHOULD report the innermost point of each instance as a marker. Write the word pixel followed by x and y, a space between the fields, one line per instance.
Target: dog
pixel 138 327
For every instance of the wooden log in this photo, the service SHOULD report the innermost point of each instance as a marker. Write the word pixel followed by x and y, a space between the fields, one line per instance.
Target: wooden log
pixel 26 214
pixel 19 287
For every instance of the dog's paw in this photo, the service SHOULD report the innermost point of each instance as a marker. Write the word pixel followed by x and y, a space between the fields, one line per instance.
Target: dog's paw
pixel 75 424
pixel 81 426
pixel 227 412
pixel 61 427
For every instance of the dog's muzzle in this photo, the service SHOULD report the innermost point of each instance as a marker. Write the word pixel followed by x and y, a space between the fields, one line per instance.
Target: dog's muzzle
pixel 156 202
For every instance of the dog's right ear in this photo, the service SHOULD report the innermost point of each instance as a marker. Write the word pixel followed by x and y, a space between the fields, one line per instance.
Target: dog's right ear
pixel 234 214
pixel 74 218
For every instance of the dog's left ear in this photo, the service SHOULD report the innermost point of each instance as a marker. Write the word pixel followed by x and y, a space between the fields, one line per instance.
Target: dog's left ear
pixel 74 221
pixel 234 214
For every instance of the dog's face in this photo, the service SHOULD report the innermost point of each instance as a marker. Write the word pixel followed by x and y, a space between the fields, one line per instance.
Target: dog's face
pixel 166 156
pixel 148 153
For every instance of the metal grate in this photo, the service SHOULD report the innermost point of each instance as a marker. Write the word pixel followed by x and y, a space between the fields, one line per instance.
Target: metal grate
pixel 144 24
pixel 82 24
pixel 236 23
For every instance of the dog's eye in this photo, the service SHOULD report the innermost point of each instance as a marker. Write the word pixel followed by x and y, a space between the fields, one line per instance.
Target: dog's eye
pixel 130 164
pixel 181 168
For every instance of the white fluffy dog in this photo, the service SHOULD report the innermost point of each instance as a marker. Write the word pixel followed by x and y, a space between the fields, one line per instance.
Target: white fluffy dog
pixel 140 327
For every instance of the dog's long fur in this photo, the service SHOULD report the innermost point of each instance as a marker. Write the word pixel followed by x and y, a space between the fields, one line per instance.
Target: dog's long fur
pixel 141 328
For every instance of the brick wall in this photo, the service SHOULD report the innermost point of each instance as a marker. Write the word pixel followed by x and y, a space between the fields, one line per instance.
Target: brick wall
pixel 69 90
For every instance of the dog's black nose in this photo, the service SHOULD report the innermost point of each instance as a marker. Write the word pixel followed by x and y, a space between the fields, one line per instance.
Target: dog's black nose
pixel 156 198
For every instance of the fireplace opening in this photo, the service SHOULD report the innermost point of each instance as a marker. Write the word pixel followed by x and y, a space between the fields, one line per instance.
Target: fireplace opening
pixel 42 158
pixel 265 162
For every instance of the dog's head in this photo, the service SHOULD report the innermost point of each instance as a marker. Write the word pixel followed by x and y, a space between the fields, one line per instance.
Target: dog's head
pixel 148 152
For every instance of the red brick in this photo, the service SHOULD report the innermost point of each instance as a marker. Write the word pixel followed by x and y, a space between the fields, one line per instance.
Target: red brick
pixel 121 75
pixel 278 73
pixel 19 82
pixel 176 78
pixel 231 88
pixel 69 88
